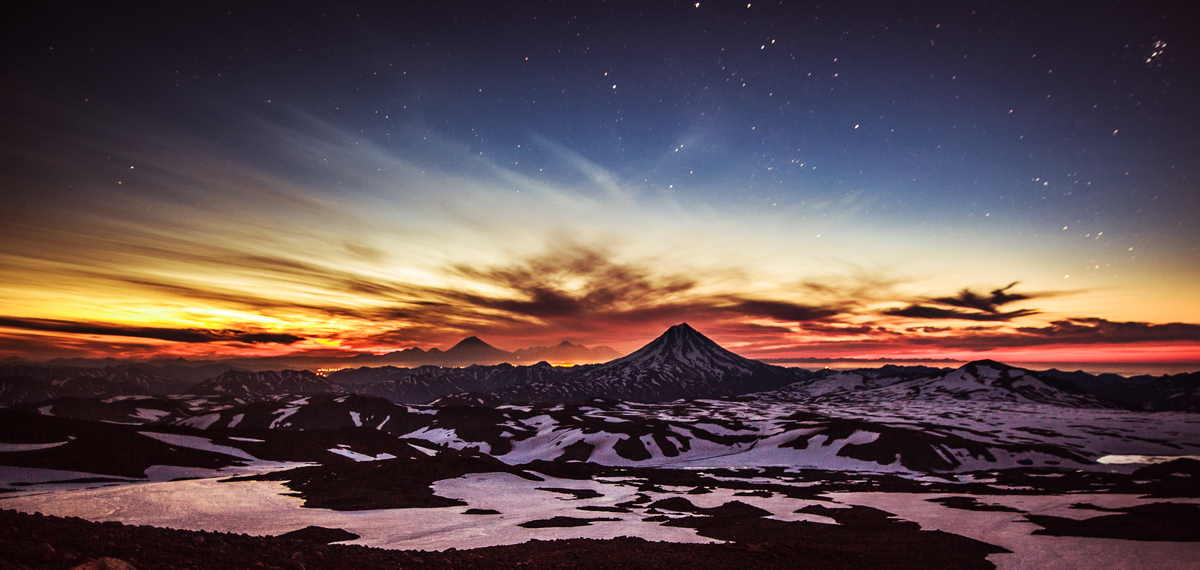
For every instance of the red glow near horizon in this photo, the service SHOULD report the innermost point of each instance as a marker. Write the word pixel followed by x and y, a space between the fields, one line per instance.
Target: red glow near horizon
pixel 1140 357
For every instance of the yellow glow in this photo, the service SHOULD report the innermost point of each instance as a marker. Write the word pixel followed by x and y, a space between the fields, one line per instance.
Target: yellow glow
pixel 423 258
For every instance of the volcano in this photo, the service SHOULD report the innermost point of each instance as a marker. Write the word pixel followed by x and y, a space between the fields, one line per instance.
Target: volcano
pixel 681 363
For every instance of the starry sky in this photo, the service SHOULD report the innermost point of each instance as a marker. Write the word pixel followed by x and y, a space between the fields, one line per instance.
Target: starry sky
pixel 865 180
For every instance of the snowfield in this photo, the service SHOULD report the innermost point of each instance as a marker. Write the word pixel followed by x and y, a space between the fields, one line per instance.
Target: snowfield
pixel 264 508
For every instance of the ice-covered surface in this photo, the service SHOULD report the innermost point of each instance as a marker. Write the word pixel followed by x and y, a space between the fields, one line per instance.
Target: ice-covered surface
pixel 1012 531
pixel 264 508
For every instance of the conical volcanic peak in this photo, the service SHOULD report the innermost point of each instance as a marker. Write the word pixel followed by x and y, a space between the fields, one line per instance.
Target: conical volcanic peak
pixel 682 363
pixel 683 346
pixel 471 342
pixel 471 350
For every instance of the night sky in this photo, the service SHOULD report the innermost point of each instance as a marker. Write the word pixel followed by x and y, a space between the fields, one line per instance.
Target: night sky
pixel 1017 181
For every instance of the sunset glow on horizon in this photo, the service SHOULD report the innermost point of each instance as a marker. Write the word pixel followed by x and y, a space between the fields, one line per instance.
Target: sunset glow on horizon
pixel 859 185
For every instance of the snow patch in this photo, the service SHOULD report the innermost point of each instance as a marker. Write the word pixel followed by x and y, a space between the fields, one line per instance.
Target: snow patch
pixel 1142 459
pixel 360 456
pixel 150 414
pixel 283 413
pixel 11 447
pixel 200 443
pixel 201 422
pixel 429 452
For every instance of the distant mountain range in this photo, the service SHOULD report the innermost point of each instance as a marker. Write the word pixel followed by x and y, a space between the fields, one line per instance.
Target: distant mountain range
pixel 468 351
pixel 982 380
pixel 680 364
pixel 29 383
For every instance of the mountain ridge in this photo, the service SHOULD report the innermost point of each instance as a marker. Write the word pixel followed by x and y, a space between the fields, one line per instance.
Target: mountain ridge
pixel 681 363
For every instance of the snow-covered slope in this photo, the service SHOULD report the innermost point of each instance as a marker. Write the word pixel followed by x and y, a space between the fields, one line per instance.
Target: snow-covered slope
pixel 27 383
pixel 983 380
pixel 913 437
pixel 258 385
pixel 428 383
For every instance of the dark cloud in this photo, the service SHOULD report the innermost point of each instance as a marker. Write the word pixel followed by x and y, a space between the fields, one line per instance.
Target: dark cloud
pixel 1074 331
pixel 572 279
pixel 754 330
pixel 1093 330
pixel 927 329
pixel 969 299
pixel 926 312
pixel 260 338
pixel 841 330
pixel 168 334
pixel 784 311
pixel 584 290
pixel 968 305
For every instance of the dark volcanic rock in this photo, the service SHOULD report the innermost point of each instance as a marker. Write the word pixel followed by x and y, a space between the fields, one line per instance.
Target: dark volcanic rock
pixel 1169 522
pixel 32 383
pixel 562 522
pixel 96 447
pixel 429 383
pixel 320 535
pixel 398 483
pixel 972 504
